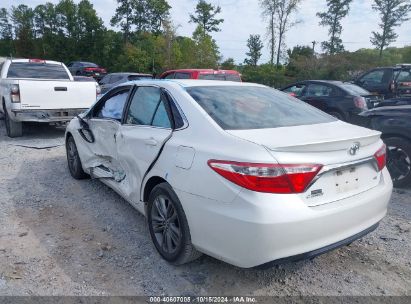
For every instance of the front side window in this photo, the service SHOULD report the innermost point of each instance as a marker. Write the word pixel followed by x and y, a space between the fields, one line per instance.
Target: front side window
pixel 148 108
pixel 318 90
pixel 252 107
pixel 113 107
pixel 169 76
pixel 182 76
pixel 295 90
pixel 37 71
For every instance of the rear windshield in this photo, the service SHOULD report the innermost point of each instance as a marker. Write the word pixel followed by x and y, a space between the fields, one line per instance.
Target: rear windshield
pixel 37 71
pixel 248 107
pixel 354 89
pixel 226 77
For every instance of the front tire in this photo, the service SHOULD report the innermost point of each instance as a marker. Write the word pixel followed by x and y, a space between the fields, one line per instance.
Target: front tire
pixel 13 128
pixel 168 226
pixel 73 160
pixel 399 160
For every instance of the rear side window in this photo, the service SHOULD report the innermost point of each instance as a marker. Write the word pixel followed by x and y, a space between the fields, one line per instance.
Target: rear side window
pixel 36 71
pixel 148 108
pixel 250 107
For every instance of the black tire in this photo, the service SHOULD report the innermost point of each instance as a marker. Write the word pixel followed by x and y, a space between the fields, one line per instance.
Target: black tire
pixel 337 115
pixel 73 160
pixel 168 228
pixel 13 128
pixel 399 160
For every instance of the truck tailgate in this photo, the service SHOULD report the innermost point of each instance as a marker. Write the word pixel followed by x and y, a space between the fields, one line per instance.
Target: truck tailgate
pixel 54 94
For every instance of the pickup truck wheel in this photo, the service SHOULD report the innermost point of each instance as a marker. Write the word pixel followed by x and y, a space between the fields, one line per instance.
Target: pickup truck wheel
pixel 399 160
pixel 168 226
pixel 73 160
pixel 13 128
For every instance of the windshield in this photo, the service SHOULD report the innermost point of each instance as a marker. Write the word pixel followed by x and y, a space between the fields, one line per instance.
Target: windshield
pixel 224 77
pixel 37 71
pixel 251 107
pixel 354 89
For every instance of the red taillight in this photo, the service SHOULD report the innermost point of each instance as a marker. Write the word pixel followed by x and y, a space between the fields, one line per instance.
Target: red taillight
pixel 360 102
pixel 36 60
pixel 269 178
pixel 103 71
pixel 89 69
pixel 15 93
pixel 381 157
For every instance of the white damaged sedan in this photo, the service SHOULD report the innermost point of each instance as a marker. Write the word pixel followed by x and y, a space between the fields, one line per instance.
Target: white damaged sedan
pixel 238 171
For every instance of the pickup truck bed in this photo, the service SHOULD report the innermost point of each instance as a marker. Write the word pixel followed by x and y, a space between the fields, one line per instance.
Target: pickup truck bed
pixel 40 91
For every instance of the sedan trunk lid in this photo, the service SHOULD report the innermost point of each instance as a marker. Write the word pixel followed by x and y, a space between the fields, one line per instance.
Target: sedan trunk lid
pixel 345 151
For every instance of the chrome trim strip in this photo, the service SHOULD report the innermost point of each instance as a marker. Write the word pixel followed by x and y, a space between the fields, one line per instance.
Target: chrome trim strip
pixel 329 168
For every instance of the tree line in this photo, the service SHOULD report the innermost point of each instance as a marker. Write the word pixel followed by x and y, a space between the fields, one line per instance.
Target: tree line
pixel 144 38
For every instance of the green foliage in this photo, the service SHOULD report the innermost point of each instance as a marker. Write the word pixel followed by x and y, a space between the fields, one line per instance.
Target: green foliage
pixel 206 50
pixel 392 13
pixel 228 64
pixel 278 13
pixel 205 16
pixel 337 10
pixel 255 45
pixel 141 15
pixel 266 74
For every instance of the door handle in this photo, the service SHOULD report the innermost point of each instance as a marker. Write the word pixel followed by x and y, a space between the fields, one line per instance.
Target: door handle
pixel 151 142
pixel 60 89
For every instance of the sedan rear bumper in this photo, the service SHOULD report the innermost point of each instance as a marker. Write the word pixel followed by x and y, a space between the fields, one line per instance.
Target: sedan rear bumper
pixel 314 253
pixel 258 228
pixel 58 115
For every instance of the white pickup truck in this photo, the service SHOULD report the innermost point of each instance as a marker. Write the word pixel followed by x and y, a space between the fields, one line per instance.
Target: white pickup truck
pixel 34 90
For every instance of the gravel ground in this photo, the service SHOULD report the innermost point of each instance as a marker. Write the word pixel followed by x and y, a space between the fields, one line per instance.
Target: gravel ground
pixel 59 236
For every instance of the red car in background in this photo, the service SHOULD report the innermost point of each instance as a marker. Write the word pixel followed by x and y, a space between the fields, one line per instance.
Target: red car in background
pixel 88 69
pixel 204 74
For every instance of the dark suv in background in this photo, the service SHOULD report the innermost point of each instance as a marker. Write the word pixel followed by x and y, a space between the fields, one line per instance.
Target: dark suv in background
pixel 114 79
pixel 391 82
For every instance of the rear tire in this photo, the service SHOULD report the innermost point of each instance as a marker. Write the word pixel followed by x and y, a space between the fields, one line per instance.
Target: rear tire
pixel 168 226
pixel 13 128
pixel 73 160
pixel 399 160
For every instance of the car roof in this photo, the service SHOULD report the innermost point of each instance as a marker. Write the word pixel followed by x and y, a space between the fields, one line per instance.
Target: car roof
pixel 28 60
pixel 130 74
pixel 186 83
pixel 203 71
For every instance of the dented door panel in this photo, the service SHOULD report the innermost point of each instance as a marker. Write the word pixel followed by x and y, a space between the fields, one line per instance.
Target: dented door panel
pixel 137 148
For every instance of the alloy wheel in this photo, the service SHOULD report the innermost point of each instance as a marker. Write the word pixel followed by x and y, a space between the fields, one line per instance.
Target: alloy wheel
pixel 166 225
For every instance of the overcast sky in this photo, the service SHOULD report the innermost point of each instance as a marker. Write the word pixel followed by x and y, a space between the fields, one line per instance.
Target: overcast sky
pixel 243 17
